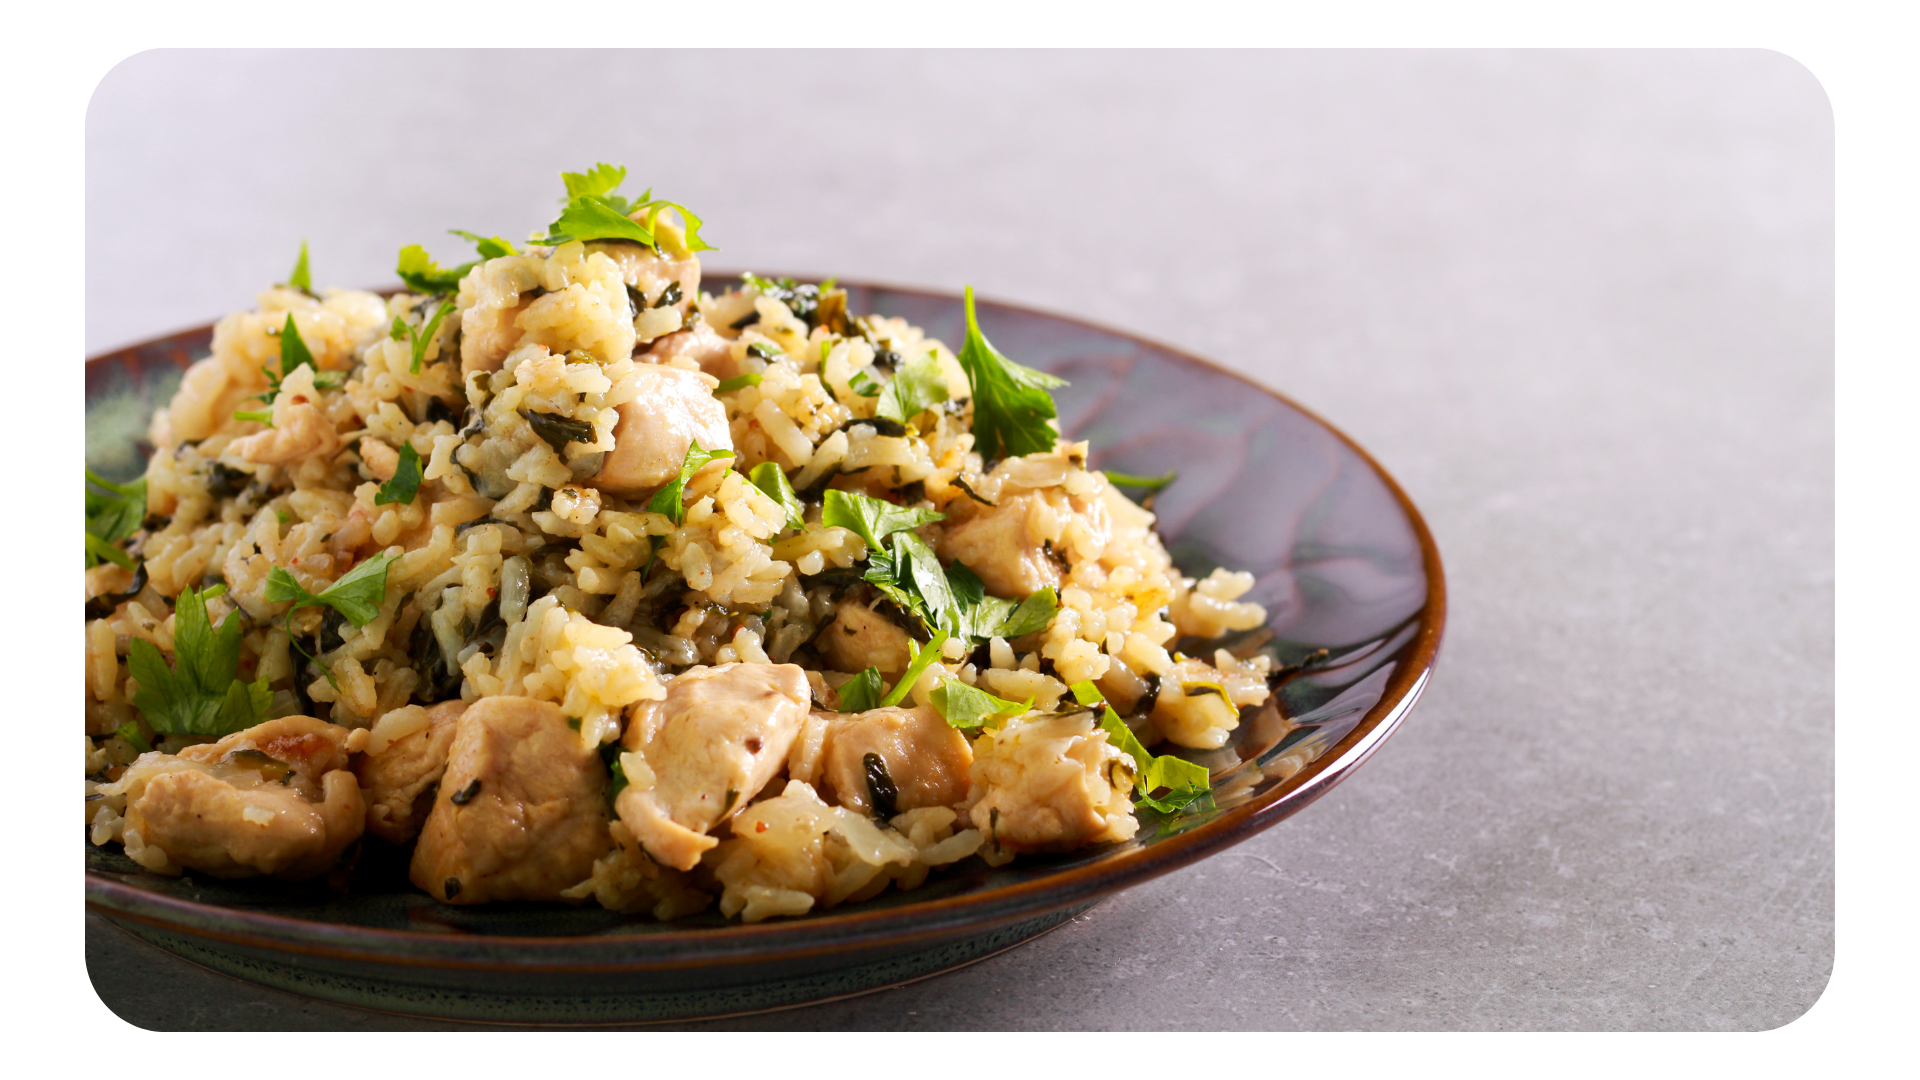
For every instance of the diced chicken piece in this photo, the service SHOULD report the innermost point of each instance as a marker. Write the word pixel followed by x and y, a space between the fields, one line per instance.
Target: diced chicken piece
pixel 672 409
pixel 402 765
pixel 300 430
pixel 1051 783
pixel 697 757
pixel 649 273
pixel 275 799
pixel 522 808
pixel 488 332
pixel 701 346
pixel 996 544
pixel 886 761
pixel 859 638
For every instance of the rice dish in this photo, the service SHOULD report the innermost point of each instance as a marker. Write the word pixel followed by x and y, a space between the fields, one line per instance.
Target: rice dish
pixel 591 585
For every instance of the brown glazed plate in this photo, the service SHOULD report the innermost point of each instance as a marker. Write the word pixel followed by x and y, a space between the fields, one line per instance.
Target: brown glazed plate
pixel 1346 568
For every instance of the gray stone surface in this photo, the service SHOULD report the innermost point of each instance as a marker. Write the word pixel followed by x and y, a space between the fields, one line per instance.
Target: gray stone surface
pixel 1580 304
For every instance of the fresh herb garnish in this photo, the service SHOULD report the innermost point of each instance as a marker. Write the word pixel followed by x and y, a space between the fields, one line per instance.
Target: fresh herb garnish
pixel 862 692
pixel 863 384
pixel 293 354
pixel 915 388
pixel 1148 483
pixel 667 499
pixel 739 382
pixel 258 416
pixel 199 694
pixel 874 519
pixel 923 658
pixel 968 707
pixel 357 595
pixel 130 731
pixel 114 512
pixel 406 479
pixel 1183 780
pixel 802 300
pixel 1011 406
pixel 770 478
pixel 402 330
pixel 490 247
pixel 301 278
pixel 763 350
pixel 558 431
pixel 594 212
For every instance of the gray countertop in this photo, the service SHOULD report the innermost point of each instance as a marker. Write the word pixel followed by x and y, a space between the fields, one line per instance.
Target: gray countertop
pixel 1580 304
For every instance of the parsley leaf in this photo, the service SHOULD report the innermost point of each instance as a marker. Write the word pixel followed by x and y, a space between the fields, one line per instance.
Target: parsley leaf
pixel 594 212
pixel 1185 781
pixel 1011 406
pixel 667 499
pixel 421 274
pixel 490 247
pixel 739 382
pixel 357 595
pixel 862 692
pixel 199 694
pixel 293 354
pixel 874 519
pixel 113 513
pixel 914 389
pixel 258 416
pixel 770 478
pixel 402 330
pixel 1149 483
pixel 923 659
pixel 863 384
pixel 301 278
pixel 967 707
pixel 406 479
pixel 999 617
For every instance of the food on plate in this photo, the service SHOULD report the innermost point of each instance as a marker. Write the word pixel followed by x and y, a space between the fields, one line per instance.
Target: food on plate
pixel 591 584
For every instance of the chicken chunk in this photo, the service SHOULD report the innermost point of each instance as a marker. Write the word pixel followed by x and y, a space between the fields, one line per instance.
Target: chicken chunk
pixel 694 759
pixel 885 761
pixel 488 332
pixel 403 764
pixel 275 799
pixel 859 638
pixel 522 808
pixel 996 544
pixel 1051 783
pixel 672 408
pixel 701 346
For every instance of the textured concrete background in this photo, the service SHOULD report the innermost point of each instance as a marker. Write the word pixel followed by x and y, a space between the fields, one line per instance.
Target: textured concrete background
pixel 1580 304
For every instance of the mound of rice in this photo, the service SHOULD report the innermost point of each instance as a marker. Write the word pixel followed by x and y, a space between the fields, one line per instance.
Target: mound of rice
pixel 537 565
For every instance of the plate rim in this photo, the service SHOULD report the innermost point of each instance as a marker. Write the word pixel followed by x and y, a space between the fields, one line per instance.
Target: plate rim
pixel 903 924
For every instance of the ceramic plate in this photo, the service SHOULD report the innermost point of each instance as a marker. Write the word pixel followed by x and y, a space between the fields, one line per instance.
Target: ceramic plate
pixel 1348 573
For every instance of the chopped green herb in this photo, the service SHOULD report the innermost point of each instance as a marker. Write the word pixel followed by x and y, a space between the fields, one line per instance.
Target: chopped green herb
pixel 862 692
pixel 802 300
pixel 1011 407
pixel 739 382
pixel 764 351
pixel 422 338
pixel 1002 618
pixel 770 478
pixel 968 707
pixel 490 247
pixel 258 416
pixel 199 694
pixel 301 278
pixel 864 385
pixel 923 658
pixel 130 731
pixel 1149 483
pixel 874 519
pixel 114 512
pixel 357 595
pixel 616 781
pixel 914 389
pixel 594 212
pixel 1183 780
pixel 667 499
pixel 882 792
pixel 406 479
pixel 465 795
pixel 421 274
pixel 293 354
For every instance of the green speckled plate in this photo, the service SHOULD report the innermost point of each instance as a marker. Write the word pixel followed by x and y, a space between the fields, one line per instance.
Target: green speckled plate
pixel 1343 563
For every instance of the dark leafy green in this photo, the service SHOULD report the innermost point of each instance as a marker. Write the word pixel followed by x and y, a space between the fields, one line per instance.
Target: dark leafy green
pixel 1011 407
pixel 199 694
pixel 862 692
pixel 406 479
pixel 558 431
pixel 874 519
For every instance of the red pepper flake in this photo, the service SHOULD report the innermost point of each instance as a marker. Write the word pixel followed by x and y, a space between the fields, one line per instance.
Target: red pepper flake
pixel 759 826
